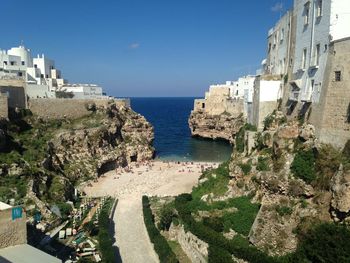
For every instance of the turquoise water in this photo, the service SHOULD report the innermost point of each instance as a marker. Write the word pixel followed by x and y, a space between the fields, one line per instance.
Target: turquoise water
pixel 173 140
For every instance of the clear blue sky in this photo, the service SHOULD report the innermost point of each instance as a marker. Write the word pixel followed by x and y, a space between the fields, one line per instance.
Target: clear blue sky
pixel 144 47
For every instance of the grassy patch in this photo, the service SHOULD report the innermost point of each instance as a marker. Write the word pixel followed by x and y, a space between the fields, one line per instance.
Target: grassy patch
pixel 180 254
pixel 303 165
pixel 263 164
pixel 217 182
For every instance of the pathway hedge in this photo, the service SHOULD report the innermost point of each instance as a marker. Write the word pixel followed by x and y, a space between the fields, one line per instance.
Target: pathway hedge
pixel 161 246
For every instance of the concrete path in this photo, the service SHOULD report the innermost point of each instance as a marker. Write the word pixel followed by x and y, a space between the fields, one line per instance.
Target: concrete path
pixel 160 179
pixel 131 234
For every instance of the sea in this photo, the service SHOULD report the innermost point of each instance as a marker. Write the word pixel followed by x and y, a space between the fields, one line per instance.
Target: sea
pixel 173 141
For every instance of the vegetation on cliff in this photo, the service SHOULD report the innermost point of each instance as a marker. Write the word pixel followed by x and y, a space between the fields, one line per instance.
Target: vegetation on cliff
pixel 161 246
pixel 42 160
pixel 283 197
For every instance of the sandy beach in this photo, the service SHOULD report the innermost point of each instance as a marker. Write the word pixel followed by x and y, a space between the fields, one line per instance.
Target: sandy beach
pixel 128 185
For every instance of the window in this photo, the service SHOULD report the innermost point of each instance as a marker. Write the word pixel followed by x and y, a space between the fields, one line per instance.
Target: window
pixel 306 13
pixel 12 63
pixel 282 34
pixel 203 105
pixel 312 85
pixel 348 114
pixel 23 63
pixel 5 62
pixel 20 74
pixel 35 66
pixel 337 75
pixel 303 62
pixel 317 54
pixel 319 8
pixel 269 47
pixel 42 76
pixel 47 76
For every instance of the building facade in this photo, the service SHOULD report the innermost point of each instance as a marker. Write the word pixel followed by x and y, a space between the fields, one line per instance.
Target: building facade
pixel 278 53
pixel 41 76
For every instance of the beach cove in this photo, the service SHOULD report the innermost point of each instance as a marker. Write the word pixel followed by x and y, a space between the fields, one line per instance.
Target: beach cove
pixel 128 185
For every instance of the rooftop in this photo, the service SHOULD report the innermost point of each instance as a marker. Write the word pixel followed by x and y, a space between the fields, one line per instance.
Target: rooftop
pixel 25 254
pixel 4 206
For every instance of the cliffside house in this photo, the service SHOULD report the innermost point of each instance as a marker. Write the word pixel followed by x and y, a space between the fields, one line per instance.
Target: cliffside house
pixel 41 76
pixel 13 238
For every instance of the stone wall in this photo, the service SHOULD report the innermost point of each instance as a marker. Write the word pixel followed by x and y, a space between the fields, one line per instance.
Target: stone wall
pixel 331 116
pixel 15 90
pixel 195 249
pixel 68 108
pixel 3 107
pixel 12 232
pixel 218 105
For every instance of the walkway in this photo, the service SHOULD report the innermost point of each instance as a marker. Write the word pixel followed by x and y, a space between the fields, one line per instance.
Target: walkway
pixel 131 234
pixel 160 179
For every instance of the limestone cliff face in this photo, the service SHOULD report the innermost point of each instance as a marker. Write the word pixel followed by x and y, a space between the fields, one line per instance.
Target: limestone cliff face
pixel 113 137
pixel 288 201
pixel 47 158
pixel 224 126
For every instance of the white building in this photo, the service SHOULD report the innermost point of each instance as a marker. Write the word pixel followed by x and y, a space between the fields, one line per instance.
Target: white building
pixel 41 76
pixel 318 23
pixel 267 92
pixel 278 46
pixel 84 91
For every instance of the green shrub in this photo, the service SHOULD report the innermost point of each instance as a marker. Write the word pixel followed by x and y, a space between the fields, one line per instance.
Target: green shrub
pixel 242 220
pixel 238 246
pixel 166 216
pixel 324 243
pixel 215 223
pixel 161 246
pixel 105 241
pixel 284 210
pixel 239 140
pixel 215 184
pixel 65 210
pixel 278 160
pixel 269 119
pixel 246 167
pixel 217 254
pixel 303 166
pixel 262 164
pixel 328 161
pixel 346 150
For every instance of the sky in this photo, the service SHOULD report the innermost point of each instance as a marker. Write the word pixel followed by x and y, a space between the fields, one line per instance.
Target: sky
pixel 145 48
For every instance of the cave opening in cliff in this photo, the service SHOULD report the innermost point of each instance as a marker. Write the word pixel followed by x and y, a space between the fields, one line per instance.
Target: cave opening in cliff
pixel 133 158
pixel 106 167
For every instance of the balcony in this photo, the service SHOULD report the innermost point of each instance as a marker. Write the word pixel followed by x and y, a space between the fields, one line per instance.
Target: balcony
pixel 294 95
pixel 306 97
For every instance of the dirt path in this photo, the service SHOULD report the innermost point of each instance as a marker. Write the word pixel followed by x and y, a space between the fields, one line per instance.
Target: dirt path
pixel 160 179
pixel 131 234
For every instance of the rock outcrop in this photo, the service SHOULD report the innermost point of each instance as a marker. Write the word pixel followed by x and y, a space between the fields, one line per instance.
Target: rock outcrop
pixel 114 138
pixel 287 201
pixel 52 157
pixel 224 126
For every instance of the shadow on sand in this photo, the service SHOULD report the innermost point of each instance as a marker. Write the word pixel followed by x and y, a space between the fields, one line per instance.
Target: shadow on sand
pixel 118 258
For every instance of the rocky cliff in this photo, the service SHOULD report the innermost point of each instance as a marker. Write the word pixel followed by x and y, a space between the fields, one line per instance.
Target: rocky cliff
pixel 283 197
pixel 224 126
pixel 297 181
pixel 43 160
